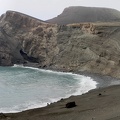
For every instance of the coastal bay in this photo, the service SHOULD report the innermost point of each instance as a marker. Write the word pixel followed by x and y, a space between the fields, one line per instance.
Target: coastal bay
pixel 97 104
pixel 87 48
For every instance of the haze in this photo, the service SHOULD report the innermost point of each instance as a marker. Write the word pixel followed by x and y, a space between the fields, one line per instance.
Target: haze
pixel 46 9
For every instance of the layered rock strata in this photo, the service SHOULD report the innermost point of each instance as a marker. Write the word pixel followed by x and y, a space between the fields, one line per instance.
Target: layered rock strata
pixel 89 47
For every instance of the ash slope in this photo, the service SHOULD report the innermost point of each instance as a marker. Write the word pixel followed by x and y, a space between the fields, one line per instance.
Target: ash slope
pixel 86 47
pixel 86 14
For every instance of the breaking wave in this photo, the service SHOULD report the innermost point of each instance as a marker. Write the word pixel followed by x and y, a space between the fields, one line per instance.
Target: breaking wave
pixel 23 88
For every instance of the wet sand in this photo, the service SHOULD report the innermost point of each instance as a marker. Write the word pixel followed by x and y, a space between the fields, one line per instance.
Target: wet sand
pixel 102 103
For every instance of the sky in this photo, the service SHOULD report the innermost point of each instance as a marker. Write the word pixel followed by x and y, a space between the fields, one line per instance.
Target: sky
pixel 46 9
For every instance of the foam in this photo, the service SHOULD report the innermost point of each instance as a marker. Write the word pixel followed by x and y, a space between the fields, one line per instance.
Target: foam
pixel 83 85
pixel 22 107
pixel 43 70
pixel 87 83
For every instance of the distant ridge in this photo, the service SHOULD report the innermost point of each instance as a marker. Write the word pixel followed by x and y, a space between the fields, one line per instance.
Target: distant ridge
pixel 19 13
pixel 86 14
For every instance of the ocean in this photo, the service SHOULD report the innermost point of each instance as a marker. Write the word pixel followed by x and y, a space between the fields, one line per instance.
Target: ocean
pixel 23 88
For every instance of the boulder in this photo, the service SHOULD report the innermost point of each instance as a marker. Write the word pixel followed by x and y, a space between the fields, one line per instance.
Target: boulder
pixel 70 104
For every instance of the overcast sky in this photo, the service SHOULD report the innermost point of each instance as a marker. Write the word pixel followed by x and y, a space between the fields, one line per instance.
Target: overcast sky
pixel 46 9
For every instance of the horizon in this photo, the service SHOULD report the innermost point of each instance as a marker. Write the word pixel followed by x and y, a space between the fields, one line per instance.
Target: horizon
pixel 45 10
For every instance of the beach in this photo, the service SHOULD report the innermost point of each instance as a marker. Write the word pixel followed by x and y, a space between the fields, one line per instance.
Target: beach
pixel 98 104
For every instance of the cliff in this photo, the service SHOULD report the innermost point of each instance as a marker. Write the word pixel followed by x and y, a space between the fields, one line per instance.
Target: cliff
pixel 86 14
pixel 86 47
pixel 23 38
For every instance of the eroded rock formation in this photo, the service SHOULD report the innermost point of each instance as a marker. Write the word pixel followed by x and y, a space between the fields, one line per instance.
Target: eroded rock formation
pixel 20 33
pixel 91 47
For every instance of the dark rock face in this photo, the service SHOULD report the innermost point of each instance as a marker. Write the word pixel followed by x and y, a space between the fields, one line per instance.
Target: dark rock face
pixel 28 58
pixel 21 32
pixel 91 47
pixel 86 14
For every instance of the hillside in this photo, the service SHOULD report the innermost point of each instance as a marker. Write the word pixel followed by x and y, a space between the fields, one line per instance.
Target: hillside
pixel 82 47
pixel 86 14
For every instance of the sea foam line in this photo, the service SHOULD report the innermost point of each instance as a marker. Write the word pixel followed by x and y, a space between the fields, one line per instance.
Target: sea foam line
pixel 44 70
pixel 85 82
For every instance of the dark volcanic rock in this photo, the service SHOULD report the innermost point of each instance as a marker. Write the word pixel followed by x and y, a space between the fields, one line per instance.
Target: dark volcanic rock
pixel 86 14
pixel 90 47
pixel 70 105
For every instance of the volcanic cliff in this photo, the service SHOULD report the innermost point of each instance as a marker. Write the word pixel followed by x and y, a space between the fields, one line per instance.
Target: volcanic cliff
pixel 89 47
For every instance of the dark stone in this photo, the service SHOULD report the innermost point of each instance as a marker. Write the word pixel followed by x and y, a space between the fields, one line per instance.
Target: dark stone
pixel 70 104
pixel 99 94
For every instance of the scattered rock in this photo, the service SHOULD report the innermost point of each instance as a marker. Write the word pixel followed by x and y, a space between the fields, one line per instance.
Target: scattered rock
pixel 99 94
pixel 70 104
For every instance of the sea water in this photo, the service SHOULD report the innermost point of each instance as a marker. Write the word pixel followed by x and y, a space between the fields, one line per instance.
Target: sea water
pixel 23 88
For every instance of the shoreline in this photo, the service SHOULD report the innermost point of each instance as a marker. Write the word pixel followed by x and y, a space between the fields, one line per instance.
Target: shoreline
pixel 77 89
pixel 96 76
pixel 89 106
pixel 101 81
pixel 55 109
